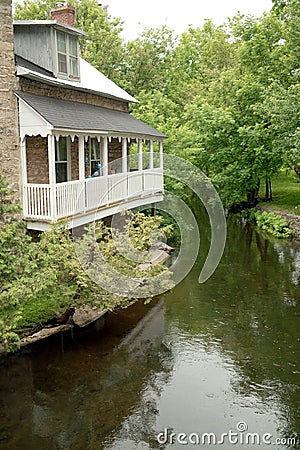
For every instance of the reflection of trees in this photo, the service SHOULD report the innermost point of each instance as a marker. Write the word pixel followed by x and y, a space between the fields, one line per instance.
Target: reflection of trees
pixel 248 311
pixel 251 306
pixel 77 398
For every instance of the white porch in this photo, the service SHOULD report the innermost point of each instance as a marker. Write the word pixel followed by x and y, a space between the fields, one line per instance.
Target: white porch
pixel 63 144
pixel 82 201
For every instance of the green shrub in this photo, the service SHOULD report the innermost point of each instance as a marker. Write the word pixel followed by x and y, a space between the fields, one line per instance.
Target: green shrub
pixel 272 223
pixel 40 279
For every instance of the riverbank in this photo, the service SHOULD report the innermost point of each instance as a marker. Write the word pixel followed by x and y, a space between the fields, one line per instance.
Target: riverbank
pixel 41 281
pixel 285 200
pixel 285 193
pixel 292 220
pixel 83 316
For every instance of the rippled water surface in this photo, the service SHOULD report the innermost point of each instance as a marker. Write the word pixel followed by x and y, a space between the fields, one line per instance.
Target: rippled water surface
pixel 203 359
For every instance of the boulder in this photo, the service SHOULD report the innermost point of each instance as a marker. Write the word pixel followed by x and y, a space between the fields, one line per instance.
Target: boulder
pixel 84 316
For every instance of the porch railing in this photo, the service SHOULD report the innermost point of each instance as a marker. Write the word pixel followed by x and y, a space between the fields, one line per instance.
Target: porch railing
pixel 43 202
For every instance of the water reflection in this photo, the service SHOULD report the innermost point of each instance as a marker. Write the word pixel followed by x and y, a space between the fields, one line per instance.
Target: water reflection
pixel 201 359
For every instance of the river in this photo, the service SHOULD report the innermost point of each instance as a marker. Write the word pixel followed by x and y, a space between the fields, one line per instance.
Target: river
pixel 215 363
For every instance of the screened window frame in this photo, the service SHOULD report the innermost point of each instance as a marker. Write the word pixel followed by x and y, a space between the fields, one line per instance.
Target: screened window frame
pixel 98 149
pixel 60 159
pixel 71 57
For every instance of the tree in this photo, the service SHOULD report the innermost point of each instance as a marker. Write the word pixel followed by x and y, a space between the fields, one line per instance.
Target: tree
pixel 147 61
pixel 203 52
pixel 13 261
pixel 260 47
pixel 281 110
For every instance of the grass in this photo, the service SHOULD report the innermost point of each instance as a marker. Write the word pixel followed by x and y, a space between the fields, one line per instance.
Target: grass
pixel 286 193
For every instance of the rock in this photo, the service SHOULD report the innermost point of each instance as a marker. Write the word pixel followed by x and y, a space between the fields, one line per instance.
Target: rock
pixel 85 316
pixel 43 334
pixel 60 318
pixel 162 246
pixel 159 253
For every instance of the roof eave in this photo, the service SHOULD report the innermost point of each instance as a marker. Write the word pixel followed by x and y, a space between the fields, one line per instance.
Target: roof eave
pixel 53 23
pixel 125 134
pixel 21 71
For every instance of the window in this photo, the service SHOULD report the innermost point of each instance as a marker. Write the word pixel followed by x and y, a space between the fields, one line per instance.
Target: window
pixel 73 51
pixel 62 52
pixel 94 155
pixel 67 55
pixel 61 160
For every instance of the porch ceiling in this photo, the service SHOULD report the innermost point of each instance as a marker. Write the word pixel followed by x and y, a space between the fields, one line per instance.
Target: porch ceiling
pixel 63 114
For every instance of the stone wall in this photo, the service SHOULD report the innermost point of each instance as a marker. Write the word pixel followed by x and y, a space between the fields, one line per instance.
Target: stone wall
pixel 115 153
pixel 74 160
pixel 37 160
pixel 10 161
pixel 35 87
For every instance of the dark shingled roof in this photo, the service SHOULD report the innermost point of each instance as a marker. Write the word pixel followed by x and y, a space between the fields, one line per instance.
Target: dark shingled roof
pixel 81 116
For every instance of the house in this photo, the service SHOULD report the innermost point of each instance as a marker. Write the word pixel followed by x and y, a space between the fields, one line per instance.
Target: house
pixel 69 146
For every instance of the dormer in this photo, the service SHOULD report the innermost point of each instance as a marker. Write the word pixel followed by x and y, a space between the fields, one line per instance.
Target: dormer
pixel 52 44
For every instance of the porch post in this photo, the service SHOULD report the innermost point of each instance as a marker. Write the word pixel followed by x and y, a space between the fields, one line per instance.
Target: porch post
pixel 151 155
pixel 81 157
pixel 24 176
pixel 104 155
pixel 161 155
pixel 52 175
pixel 124 155
pixel 140 155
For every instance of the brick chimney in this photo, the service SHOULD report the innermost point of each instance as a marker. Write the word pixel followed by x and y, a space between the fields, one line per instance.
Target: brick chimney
pixel 64 14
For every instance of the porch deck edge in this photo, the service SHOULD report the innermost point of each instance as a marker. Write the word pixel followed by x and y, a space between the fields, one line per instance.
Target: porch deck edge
pixel 97 213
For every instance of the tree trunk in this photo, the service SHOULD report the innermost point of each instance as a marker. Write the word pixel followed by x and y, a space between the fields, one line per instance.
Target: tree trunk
pixel 252 195
pixel 268 189
pixel 271 192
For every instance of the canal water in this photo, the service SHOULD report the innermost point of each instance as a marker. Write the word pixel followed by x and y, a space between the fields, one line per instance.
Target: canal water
pixel 203 366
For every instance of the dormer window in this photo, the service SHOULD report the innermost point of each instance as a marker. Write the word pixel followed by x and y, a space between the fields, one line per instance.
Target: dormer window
pixel 73 56
pixel 67 55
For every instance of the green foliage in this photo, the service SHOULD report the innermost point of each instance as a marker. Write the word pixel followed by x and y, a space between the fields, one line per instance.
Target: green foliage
pixel 40 279
pixel 7 207
pixel 281 110
pixel 147 61
pixel 215 104
pixel 13 260
pixel 34 9
pixel 203 52
pixel 114 259
pixel 260 49
pixel 272 223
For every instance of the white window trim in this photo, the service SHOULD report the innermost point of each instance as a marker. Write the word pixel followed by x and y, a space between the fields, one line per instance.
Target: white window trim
pixel 69 162
pixel 90 154
pixel 67 75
